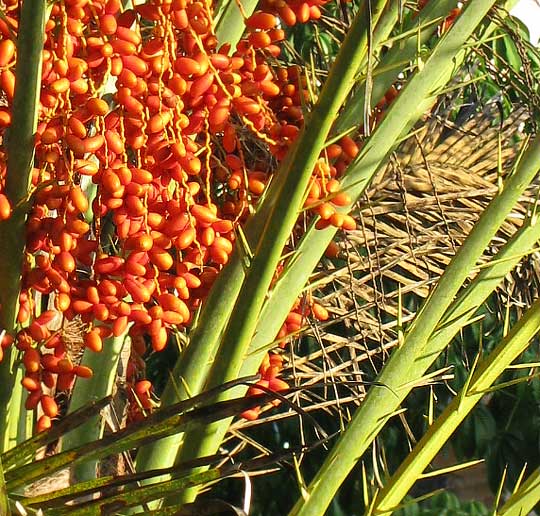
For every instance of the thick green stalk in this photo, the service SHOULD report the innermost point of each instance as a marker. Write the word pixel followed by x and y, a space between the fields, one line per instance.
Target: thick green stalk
pixel 101 385
pixel 20 155
pixel 357 178
pixel 409 362
pixel 524 499
pixel 20 422
pixel 191 370
pixel 487 372
pixel 289 200
pixel 4 501
pixel 284 214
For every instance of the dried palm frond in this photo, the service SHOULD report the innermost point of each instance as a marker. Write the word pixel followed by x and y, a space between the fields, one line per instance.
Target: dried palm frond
pixel 417 212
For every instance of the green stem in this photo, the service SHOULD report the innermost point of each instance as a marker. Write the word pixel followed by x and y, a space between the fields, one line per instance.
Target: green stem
pixel 20 155
pixel 105 366
pixel 408 363
pixel 284 214
pixel 191 370
pixel 4 501
pixel 288 203
pixel 525 498
pixel 399 119
pixel 142 495
pixel 445 425
pixel 182 417
pixel 401 53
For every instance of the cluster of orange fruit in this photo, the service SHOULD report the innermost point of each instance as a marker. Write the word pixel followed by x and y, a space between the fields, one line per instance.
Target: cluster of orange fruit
pixel 144 166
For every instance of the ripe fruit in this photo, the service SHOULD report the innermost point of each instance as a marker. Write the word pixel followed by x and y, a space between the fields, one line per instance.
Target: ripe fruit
pixel 92 341
pixel 123 228
pixel 44 423
pixel 49 406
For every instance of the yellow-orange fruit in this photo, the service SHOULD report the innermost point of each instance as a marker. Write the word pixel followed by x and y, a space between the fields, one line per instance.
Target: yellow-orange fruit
pixel 142 387
pixel 325 210
pixel 7 51
pixel 269 88
pixel 101 312
pixel 207 236
pixel 203 214
pixel 141 317
pixel 255 185
pixel 138 291
pixel 33 399
pixel 159 121
pixel 65 365
pixel 5 207
pixel 261 20
pixel 83 371
pixel 255 391
pixel 5 118
pixel 287 15
pixel 92 294
pixel 260 39
pixel 97 106
pixel 92 341
pixel 78 198
pixel 251 414
pixel 161 258
pixel 337 219
pixel 60 85
pixel 85 167
pixel 319 312
pixel 81 306
pixel 201 85
pixel 120 325
pixel 38 331
pixel 77 127
pixel 30 383
pixel 31 360
pixel 143 242
pixel 350 148
pixel 49 406
pixel 187 66
pixel 170 302
pixel 223 226
pixel 92 144
pixel 110 181
pixel 123 47
pixel 43 423
pixel 65 381
pixel 159 339
pixel 170 317
pixel 7 83
pixel 219 115
pixel 107 24
pixel 65 261
pixel 276 384
pixel 349 224
pixel 341 199
pixel 114 142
